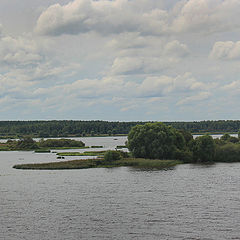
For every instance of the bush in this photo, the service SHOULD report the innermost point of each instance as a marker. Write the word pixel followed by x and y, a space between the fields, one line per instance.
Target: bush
pixel 184 155
pixel 111 155
pixel 225 137
pixel 229 152
pixel 233 140
pixel 124 154
pixel 204 149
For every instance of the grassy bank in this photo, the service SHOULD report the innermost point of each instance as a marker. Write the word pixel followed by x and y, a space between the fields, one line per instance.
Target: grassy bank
pixel 96 163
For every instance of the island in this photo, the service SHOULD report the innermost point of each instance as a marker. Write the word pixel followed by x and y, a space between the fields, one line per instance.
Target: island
pixel 152 145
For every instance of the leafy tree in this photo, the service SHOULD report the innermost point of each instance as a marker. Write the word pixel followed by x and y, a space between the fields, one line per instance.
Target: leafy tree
pixel 225 137
pixel 26 143
pixel 233 139
pixel 204 149
pixel 187 135
pixel 155 141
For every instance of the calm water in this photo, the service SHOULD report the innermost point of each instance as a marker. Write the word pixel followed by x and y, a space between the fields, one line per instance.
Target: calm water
pixel 188 202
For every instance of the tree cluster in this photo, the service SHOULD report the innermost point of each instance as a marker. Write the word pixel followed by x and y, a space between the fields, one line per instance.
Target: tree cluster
pixel 159 141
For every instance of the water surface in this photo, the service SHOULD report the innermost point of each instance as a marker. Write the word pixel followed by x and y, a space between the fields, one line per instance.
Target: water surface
pixel 188 202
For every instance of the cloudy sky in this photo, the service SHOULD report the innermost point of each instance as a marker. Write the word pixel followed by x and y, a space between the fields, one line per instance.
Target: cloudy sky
pixel 125 60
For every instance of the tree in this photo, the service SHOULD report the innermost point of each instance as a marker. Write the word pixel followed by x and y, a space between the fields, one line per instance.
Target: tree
pixel 204 149
pixel 187 135
pixel 27 143
pixel 155 141
pixel 225 137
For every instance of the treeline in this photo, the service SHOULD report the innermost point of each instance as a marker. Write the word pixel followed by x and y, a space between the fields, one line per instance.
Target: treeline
pixel 92 128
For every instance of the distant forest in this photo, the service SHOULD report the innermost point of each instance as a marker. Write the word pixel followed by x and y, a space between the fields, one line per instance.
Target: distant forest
pixel 69 128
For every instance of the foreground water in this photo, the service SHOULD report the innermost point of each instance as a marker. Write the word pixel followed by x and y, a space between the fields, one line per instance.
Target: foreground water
pixel 188 202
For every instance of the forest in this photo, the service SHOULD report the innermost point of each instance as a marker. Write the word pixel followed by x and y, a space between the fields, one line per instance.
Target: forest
pixel 65 128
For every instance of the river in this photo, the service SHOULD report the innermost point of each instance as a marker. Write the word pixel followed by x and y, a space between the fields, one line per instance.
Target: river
pixel 187 202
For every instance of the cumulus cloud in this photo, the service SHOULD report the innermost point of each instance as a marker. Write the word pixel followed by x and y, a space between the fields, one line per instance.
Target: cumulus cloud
pixel 103 17
pixel 175 48
pixel 140 65
pixel 206 16
pixel 145 55
pixel 20 51
pixel 118 16
pixel 112 87
pixel 226 50
pixel 164 85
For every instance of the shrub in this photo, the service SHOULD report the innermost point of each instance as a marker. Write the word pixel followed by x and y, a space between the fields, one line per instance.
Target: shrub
pixel 184 155
pixel 233 139
pixel 229 152
pixel 111 155
pixel 204 149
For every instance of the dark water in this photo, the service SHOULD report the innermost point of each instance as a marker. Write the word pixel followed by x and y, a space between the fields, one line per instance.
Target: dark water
pixel 188 202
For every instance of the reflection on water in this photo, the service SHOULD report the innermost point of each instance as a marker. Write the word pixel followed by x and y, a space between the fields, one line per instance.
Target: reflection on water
pixel 188 202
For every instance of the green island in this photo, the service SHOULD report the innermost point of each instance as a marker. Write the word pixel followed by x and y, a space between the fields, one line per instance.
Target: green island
pixel 94 163
pixel 154 145
pixel 28 144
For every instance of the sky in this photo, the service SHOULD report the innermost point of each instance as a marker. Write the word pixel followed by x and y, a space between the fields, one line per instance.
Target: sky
pixel 120 60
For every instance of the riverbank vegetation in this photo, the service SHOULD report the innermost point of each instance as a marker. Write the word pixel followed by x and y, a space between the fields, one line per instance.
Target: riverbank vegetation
pixel 43 129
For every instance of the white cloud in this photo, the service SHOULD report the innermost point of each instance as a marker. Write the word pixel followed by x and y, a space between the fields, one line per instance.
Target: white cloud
pixel 19 51
pixel 140 65
pixel 175 48
pixel 87 15
pixel 195 98
pixel 111 17
pixel 226 50
pixel 233 87
pixel 165 85
pixel 112 87
pixel 206 16
pixel 104 17
pixel 145 55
